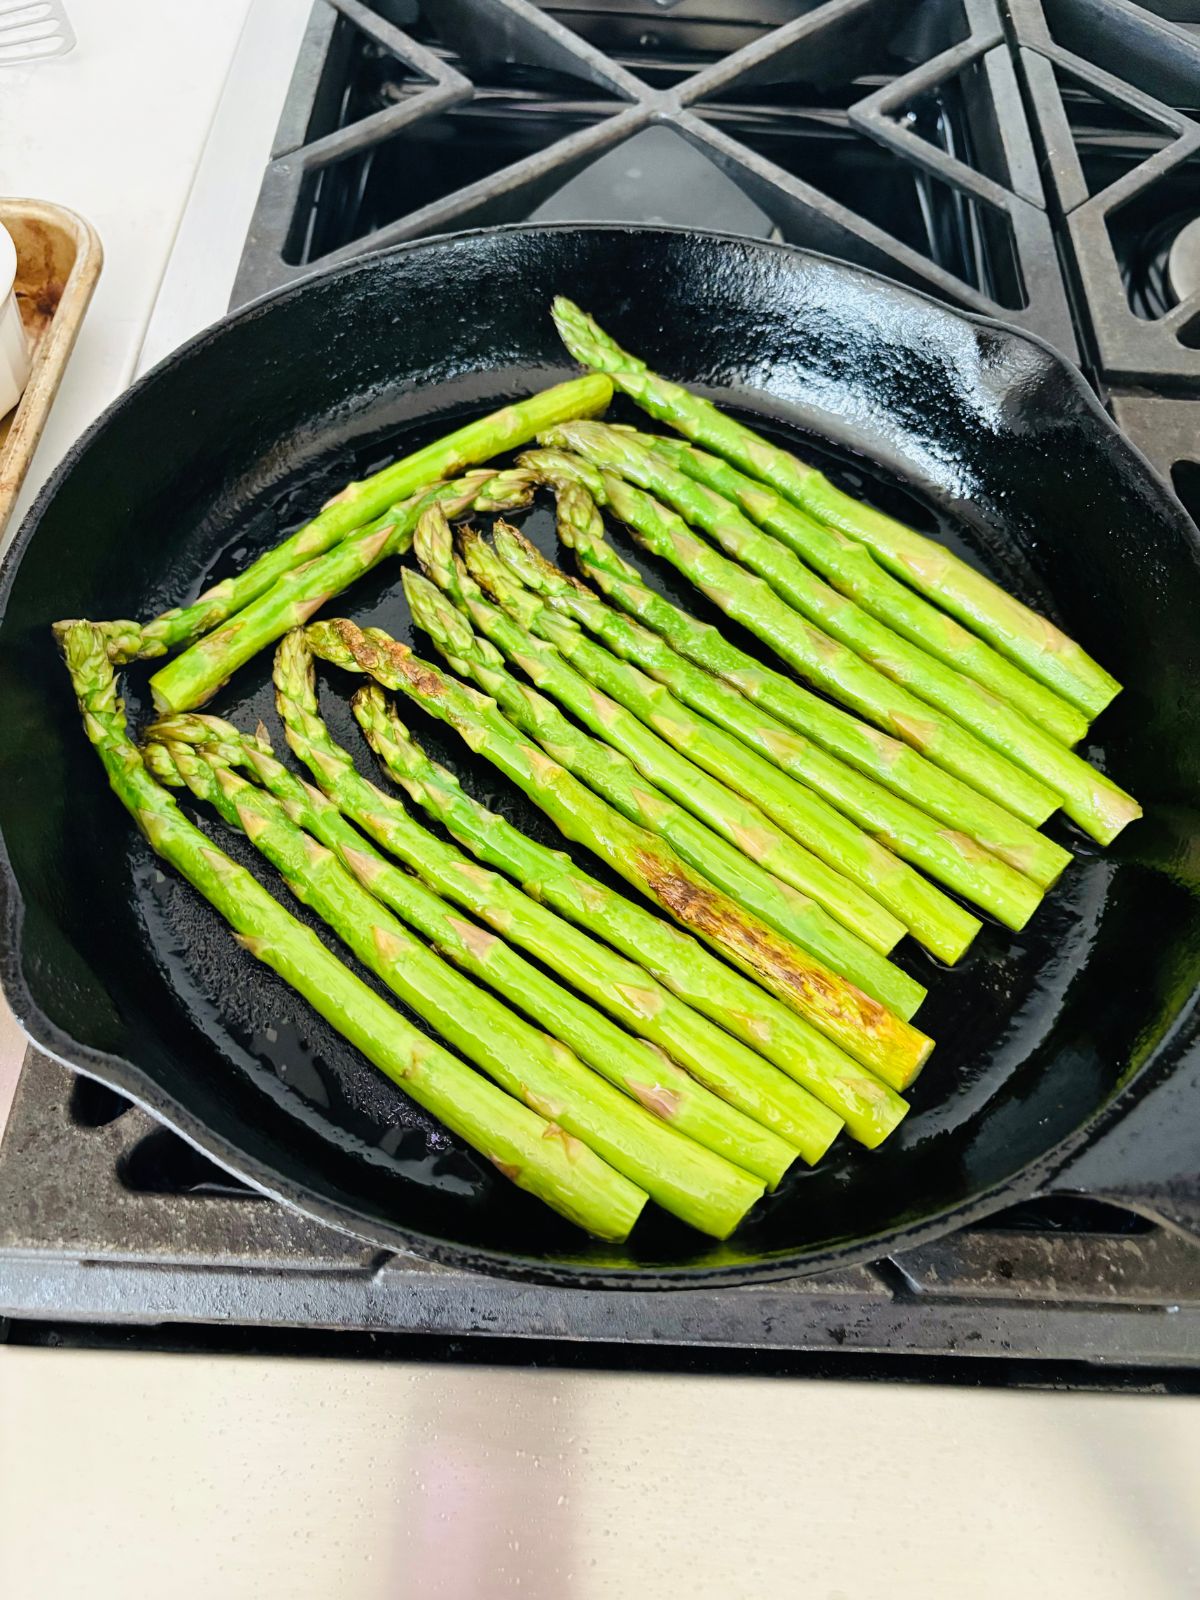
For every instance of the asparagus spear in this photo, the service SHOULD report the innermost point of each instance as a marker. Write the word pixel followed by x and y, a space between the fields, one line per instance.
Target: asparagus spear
pixel 855 680
pixel 953 859
pixel 862 1027
pixel 356 504
pixel 535 1153
pixel 643 1072
pixel 198 673
pixel 831 666
pixel 692 1183
pixel 853 902
pixel 738 1074
pixel 747 855
pixel 961 809
pixel 1088 797
pixel 853 571
pixel 617 780
pixel 937 921
pixel 871 1111
pixel 1044 651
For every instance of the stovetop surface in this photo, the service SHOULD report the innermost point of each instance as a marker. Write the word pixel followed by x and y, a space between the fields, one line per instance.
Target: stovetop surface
pixel 1039 161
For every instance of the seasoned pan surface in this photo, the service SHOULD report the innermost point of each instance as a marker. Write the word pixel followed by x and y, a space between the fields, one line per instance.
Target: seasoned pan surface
pixel 956 424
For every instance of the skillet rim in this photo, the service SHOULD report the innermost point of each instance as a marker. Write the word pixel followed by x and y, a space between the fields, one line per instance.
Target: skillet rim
pixel 136 1085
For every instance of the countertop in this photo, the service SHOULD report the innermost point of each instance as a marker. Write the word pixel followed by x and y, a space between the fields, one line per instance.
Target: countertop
pixel 125 1473
pixel 251 1479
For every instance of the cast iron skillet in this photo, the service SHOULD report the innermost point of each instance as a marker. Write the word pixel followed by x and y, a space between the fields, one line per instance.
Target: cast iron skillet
pixel 1084 1025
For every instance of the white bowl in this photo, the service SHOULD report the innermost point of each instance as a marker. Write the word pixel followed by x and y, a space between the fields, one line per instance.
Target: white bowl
pixel 14 347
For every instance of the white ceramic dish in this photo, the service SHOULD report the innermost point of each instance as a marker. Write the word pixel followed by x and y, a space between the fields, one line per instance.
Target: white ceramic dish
pixel 14 347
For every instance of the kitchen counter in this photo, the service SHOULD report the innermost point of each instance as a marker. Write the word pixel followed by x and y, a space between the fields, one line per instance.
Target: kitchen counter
pixel 254 1479
pixel 125 1473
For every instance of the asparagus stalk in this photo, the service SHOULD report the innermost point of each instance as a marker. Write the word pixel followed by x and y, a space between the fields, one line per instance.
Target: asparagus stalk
pixel 860 1026
pixel 860 681
pixel 1032 641
pixel 871 1111
pixel 853 571
pixel 831 666
pixel 690 1182
pixel 733 843
pixel 786 1113
pixel 937 921
pixel 614 777
pixel 195 676
pixel 532 1151
pixel 951 858
pixel 356 504
pixel 643 1072
pixel 851 901
pixel 1089 797
pixel 962 810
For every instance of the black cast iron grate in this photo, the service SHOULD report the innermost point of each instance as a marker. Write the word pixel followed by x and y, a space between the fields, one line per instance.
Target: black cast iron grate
pixel 889 132
pixel 1115 93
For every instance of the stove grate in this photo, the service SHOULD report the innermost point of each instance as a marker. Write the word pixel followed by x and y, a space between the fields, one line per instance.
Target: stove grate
pixel 889 132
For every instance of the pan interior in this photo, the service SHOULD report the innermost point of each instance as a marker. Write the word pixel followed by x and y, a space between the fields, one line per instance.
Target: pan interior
pixel 234 443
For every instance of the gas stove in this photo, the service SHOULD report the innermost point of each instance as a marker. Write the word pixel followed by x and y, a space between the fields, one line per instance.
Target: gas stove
pixel 1035 160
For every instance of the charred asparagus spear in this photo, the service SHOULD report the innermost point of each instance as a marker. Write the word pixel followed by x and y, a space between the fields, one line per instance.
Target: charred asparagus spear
pixel 198 673
pixel 356 504
pixel 615 779
pixel 854 903
pixel 644 1073
pixel 535 1153
pixel 871 1111
pixel 944 798
pixel 867 1031
pixel 1044 651
pixel 852 570
pixel 713 1057
pixel 694 1184
pixel 1089 797
pixel 937 921
pixel 951 858
pixel 612 770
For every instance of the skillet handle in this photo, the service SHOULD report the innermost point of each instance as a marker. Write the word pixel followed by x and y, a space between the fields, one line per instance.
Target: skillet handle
pixel 1146 1157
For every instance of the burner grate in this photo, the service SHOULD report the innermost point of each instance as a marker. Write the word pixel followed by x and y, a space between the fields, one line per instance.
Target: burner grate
pixel 1116 97
pixel 890 132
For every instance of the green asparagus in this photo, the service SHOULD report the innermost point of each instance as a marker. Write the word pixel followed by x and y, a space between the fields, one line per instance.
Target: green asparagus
pixel 786 1115
pixel 692 1183
pixel 1088 797
pixel 871 1111
pixel 356 504
pixel 866 1030
pixel 854 903
pixel 615 778
pixel 747 850
pixel 964 812
pixel 195 676
pixel 853 571
pixel 641 1071
pixel 937 921
pixel 830 665
pixel 533 1152
pixel 1044 651
pixel 953 859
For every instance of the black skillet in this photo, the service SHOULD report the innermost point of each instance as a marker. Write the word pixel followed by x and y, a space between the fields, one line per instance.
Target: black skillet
pixel 1066 1056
